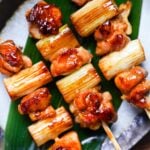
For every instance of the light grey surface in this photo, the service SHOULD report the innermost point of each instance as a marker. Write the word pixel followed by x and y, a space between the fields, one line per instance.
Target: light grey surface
pixel 130 136
pixel 16 29
pixel 1 137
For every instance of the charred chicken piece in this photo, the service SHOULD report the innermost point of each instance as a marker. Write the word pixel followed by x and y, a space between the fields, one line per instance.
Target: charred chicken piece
pixel 44 19
pixel 122 21
pixel 138 97
pixel 115 42
pixel 91 107
pixel 68 60
pixel 69 141
pixel 35 101
pixel 27 61
pixel 80 2
pixel 112 35
pixel 127 80
pixel 11 58
pixel 41 115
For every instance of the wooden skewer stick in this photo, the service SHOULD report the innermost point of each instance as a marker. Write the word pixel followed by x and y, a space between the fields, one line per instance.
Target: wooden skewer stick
pixel 111 136
pixel 148 110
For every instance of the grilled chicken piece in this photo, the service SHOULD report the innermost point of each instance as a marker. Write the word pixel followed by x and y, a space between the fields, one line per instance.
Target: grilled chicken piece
pixel 116 41
pixel 27 61
pixel 138 97
pixel 68 60
pixel 124 12
pixel 69 141
pixel 11 58
pixel 41 115
pixel 80 2
pixel 112 35
pixel 91 107
pixel 44 19
pixel 35 101
pixel 127 80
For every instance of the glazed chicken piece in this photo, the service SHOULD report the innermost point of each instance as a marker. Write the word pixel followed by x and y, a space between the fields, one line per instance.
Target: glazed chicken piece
pixel 69 141
pixel 121 22
pixel 138 95
pixel 68 60
pixel 112 35
pixel 11 58
pixel 41 115
pixel 44 19
pixel 80 2
pixel 91 107
pixel 115 42
pixel 134 86
pixel 35 101
pixel 127 80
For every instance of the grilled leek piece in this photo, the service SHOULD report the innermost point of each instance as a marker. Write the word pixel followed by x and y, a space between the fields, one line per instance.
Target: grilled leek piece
pixel 27 80
pixel 69 141
pixel 49 46
pixel 40 115
pixel 116 62
pixel 92 15
pixel 84 78
pixel 50 128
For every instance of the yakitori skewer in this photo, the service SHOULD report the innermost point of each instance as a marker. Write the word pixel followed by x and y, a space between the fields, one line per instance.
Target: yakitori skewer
pixel 89 106
pixel 130 78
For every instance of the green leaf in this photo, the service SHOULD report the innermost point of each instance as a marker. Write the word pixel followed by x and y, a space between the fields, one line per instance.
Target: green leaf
pixel 17 136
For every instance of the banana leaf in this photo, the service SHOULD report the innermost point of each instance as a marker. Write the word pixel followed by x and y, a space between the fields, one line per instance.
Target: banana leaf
pixel 17 136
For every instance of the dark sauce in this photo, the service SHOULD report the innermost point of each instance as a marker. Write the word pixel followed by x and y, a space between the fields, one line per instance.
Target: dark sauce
pixel 46 16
